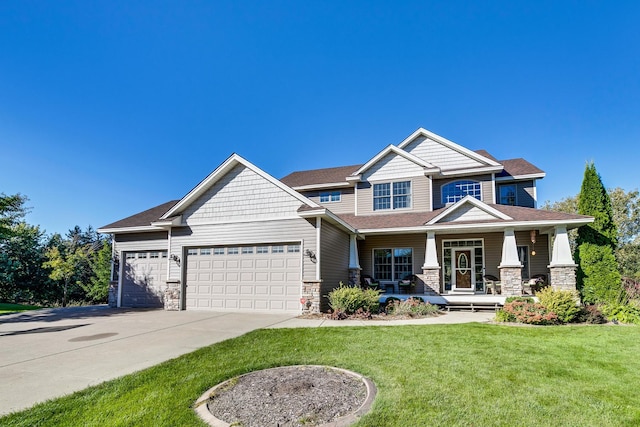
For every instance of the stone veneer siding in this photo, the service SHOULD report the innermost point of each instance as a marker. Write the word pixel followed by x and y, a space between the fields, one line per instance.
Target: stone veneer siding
pixel 431 279
pixel 311 296
pixel 511 280
pixel 563 277
pixel 172 296
pixel 113 294
pixel 354 276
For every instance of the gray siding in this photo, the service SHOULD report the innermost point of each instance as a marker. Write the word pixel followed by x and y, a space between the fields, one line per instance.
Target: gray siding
pixel 347 203
pixel 524 193
pixel 141 241
pixel 537 263
pixel 334 256
pixel 420 196
pixel 245 233
pixel 485 180
pixel 440 155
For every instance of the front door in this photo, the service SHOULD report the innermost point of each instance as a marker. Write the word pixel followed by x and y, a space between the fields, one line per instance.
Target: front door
pixel 462 270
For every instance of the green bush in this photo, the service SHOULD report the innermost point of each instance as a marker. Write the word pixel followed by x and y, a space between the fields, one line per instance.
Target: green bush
pixel 563 303
pixel 412 307
pixel 348 300
pixel 519 299
pixel 526 312
pixel 621 312
pixel 598 274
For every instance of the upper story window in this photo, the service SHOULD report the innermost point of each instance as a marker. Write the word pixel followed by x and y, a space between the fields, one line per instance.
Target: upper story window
pixel 392 195
pixel 330 196
pixel 454 191
pixel 507 194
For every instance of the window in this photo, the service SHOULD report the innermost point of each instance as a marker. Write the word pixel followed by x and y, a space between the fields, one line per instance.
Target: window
pixel 523 256
pixel 262 249
pixel 205 251
pixel 392 264
pixel 154 255
pixel 454 191
pixel 293 249
pixel 218 251
pixel 247 250
pixel 142 255
pixel 396 195
pixel 130 255
pixel 192 252
pixel 277 249
pixel 164 254
pixel 330 196
pixel 507 194
pixel 232 251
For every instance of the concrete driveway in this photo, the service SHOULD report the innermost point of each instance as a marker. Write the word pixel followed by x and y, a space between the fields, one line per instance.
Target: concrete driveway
pixel 52 352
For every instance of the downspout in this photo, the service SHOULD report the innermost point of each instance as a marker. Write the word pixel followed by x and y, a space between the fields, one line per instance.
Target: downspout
pixel 318 229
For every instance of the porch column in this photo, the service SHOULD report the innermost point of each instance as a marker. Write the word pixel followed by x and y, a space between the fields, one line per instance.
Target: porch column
pixel 354 261
pixel 510 266
pixel 431 268
pixel 562 267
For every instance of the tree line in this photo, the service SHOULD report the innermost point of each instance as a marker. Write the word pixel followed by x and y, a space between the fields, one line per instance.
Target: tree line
pixel 50 269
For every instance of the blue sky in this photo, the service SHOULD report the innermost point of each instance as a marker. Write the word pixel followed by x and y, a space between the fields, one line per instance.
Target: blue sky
pixel 108 108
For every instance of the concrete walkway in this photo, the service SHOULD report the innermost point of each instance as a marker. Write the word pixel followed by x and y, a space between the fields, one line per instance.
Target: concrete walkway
pixel 49 353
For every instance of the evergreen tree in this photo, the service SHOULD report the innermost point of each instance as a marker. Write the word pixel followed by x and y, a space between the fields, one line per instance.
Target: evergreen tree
pixel 598 278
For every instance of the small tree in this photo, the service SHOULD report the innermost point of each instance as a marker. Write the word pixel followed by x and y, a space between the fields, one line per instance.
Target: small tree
pixel 63 264
pixel 598 278
pixel 98 287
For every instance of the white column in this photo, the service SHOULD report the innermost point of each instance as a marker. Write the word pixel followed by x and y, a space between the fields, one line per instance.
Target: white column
pixel 354 261
pixel 561 254
pixel 430 254
pixel 509 250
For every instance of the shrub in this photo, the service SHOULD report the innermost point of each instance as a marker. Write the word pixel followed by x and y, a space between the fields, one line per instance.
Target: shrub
pixel 348 300
pixel 591 314
pixel 411 307
pixel 623 313
pixel 519 299
pixel 526 312
pixel 563 303
pixel 598 274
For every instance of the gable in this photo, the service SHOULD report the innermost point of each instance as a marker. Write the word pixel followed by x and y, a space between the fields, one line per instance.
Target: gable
pixel 467 213
pixel 393 166
pixel 241 194
pixel 446 158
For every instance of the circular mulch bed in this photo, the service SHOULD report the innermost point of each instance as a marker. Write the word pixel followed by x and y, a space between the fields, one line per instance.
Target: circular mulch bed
pixel 303 395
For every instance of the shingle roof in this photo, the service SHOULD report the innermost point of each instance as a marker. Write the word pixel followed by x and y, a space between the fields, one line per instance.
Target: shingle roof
pixel 516 167
pixel 319 176
pixel 145 218
pixel 401 220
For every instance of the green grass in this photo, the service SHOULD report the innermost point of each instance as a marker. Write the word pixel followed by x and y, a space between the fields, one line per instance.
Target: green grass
pixel 437 375
pixel 6 308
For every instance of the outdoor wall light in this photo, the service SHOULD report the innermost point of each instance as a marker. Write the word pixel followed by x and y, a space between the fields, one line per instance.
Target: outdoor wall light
pixel 533 242
pixel 310 254
pixel 175 258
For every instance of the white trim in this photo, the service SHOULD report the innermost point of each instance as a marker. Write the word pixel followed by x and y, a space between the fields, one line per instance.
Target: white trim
pixel 322 186
pixel 354 259
pixel 449 144
pixel 242 220
pixel 430 252
pixel 509 250
pixel 329 215
pixel 176 220
pixel 137 229
pixel 120 274
pixel 493 188
pixel 392 148
pixel 535 195
pixel 430 178
pixel 521 177
pixel 470 171
pixel 222 170
pixel 475 202
pixel 355 195
pixel 318 234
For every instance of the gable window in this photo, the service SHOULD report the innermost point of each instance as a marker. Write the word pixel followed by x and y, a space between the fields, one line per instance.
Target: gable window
pixel 456 190
pixel 330 196
pixel 392 263
pixel 392 195
pixel 507 194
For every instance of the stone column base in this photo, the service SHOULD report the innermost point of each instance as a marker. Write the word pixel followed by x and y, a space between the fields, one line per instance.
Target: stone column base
pixel 354 276
pixel 310 300
pixel 172 295
pixel 113 295
pixel 511 280
pixel 563 277
pixel 431 278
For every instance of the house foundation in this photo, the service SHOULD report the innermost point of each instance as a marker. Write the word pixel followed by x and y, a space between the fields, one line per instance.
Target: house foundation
pixel 511 280
pixel 563 277
pixel 310 299
pixel 354 276
pixel 431 279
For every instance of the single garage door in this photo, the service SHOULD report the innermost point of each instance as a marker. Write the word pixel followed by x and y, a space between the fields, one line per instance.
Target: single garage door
pixel 144 278
pixel 259 277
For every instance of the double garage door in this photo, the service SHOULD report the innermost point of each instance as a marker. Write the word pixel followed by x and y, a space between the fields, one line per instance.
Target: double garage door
pixel 245 277
pixel 144 276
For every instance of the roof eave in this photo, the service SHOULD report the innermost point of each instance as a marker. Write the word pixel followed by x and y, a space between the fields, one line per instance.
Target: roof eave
pixel 137 229
pixel 521 177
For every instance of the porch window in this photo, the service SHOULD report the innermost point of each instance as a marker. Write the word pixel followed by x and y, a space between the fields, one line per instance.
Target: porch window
pixel 392 195
pixel 507 194
pixel 456 190
pixel 392 264
pixel 330 196
pixel 523 256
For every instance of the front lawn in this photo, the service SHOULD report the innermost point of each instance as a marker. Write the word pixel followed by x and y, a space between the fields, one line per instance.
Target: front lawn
pixel 472 374
pixel 6 308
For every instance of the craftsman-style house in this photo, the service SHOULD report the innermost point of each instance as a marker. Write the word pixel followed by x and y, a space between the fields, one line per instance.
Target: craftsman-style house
pixel 426 209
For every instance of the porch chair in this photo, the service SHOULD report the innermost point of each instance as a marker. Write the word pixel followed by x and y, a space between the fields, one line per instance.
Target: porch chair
pixel 492 283
pixel 369 282
pixel 408 282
